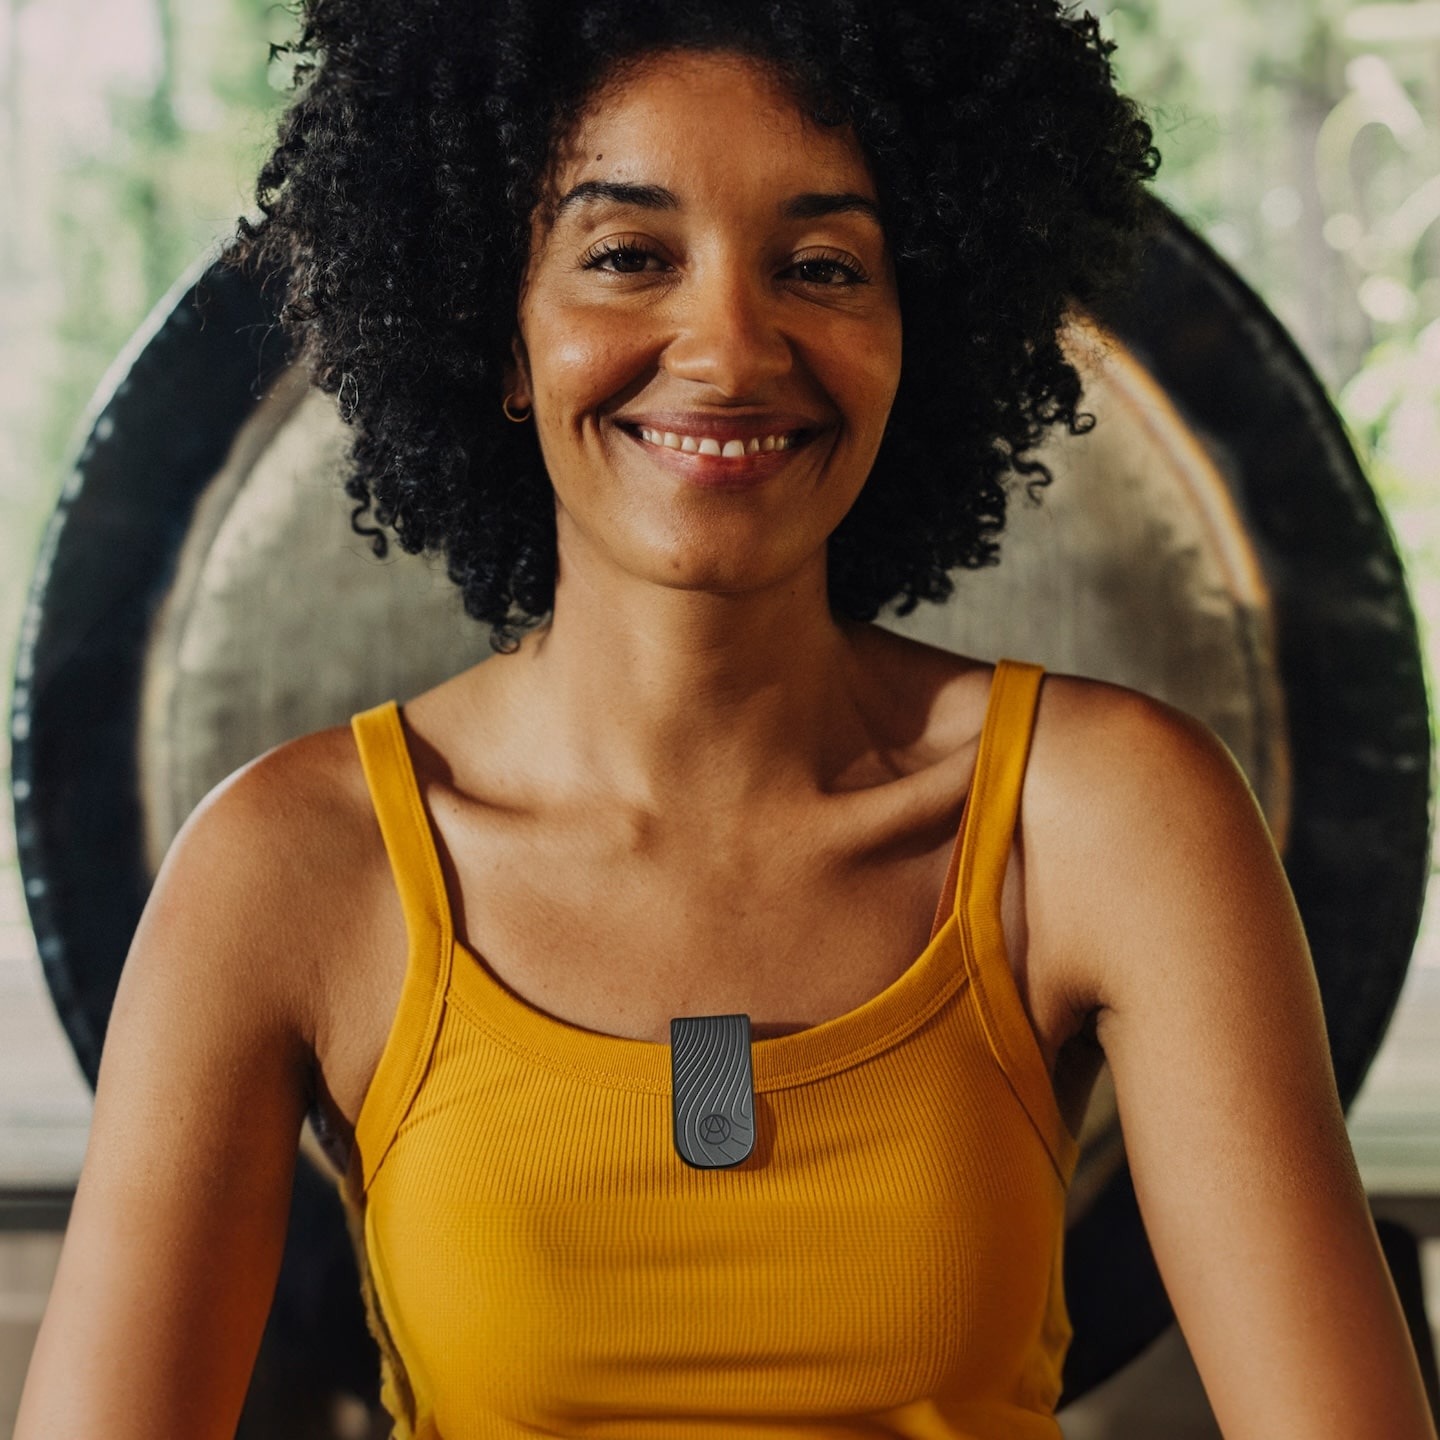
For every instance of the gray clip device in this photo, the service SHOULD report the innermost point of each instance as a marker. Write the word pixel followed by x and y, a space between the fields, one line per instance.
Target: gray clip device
pixel 714 1092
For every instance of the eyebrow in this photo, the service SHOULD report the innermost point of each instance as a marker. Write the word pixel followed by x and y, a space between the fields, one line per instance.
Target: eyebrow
pixel 643 197
pixel 810 206
pixel 814 206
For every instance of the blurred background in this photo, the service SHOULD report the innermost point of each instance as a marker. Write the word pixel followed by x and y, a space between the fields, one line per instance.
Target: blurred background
pixel 1301 138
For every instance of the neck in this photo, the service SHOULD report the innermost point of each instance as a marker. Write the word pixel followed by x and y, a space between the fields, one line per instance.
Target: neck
pixel 664 695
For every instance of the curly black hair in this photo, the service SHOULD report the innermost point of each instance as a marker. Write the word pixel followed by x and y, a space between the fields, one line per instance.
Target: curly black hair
pixel 395 220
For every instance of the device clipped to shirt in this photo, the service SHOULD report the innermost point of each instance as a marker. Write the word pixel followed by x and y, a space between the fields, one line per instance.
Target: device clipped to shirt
pixel 713 1089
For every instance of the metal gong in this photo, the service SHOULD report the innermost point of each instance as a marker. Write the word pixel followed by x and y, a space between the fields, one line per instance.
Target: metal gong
pixel 1213 541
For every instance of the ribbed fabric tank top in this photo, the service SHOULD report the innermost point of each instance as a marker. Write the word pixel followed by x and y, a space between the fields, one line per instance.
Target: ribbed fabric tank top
pixel 538 1259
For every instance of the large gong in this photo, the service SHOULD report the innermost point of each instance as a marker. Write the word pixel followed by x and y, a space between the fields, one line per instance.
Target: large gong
pixel 200 597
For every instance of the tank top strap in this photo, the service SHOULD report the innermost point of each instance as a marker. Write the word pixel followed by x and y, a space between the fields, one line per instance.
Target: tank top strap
pixel 415 865
pixel 946 906
pixel 986 836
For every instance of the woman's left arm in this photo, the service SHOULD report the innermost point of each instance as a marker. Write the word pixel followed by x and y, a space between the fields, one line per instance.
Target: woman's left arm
pixel 1176 912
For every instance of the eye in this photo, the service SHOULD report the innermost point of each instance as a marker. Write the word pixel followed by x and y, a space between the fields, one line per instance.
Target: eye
pixel 829 271
pixel 620 257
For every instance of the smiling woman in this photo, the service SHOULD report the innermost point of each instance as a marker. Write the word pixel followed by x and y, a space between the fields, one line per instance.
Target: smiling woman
pixel 990 139
pixel 693 337
pixel 738 298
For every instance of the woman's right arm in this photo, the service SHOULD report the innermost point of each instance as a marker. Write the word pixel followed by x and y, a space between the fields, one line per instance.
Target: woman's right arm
pixel 174 1243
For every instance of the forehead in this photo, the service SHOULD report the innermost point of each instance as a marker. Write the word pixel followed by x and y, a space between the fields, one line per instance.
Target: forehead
pixel 700 121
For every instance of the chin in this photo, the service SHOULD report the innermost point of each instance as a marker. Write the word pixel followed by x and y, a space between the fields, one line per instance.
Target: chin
pixel 724 560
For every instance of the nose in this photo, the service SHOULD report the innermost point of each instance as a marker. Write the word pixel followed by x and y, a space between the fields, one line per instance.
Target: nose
pixel 729 336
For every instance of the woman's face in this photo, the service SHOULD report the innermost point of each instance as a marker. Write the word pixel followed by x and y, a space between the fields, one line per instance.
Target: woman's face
pixel 709 331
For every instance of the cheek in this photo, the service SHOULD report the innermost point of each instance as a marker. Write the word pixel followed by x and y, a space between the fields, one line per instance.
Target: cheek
pixel 863 373
pixel 581 360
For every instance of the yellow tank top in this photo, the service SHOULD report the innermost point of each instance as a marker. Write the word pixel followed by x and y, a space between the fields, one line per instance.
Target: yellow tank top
pixel 538 1259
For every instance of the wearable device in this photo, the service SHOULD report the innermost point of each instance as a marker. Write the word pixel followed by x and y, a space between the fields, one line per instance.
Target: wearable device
pixel 713 1089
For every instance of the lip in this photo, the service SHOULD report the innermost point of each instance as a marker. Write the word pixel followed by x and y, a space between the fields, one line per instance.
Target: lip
pixel 723 425
pixel 718 472
pixel 722 472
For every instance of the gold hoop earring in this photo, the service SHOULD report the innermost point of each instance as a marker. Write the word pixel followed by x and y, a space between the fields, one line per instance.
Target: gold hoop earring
pixel 511 415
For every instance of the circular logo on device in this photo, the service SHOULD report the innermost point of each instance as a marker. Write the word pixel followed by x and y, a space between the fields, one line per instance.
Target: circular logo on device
pixel 714 1129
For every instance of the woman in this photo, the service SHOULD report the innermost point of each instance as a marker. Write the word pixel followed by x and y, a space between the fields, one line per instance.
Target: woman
pixel 771 297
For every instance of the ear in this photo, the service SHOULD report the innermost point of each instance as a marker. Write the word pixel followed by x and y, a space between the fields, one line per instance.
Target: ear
pixel 517 374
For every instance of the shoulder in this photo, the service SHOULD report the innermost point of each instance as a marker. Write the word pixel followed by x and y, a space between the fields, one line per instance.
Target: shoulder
pixel 296 813
pixel 1141 824
pixel 1103 747
pixel 278 866
pixel 1088 729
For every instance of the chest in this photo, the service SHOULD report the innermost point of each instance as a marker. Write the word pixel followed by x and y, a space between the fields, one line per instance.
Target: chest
pixel 622 949
pixel 873 1253
pixel 624 956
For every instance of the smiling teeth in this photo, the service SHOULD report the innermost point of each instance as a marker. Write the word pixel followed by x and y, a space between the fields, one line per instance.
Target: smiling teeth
pixel 708 445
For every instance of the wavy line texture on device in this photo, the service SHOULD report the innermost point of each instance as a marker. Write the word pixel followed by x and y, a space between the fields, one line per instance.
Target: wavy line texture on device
pixel 713 1089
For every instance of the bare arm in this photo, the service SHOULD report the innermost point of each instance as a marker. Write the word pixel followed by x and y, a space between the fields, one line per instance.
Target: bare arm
pixel 1177 912
pixel 174 1244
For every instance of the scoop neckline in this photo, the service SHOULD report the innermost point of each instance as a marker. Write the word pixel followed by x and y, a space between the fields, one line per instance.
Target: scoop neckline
pixel 777 1061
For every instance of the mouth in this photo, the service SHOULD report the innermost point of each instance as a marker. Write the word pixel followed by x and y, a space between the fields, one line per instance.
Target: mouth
pixel 720 447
